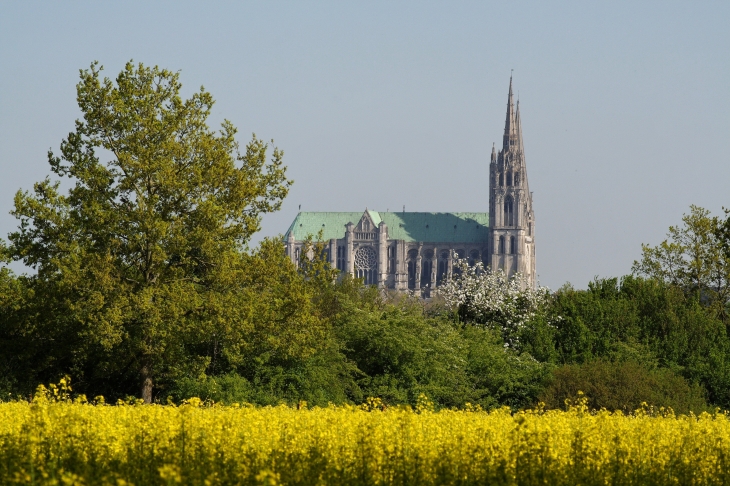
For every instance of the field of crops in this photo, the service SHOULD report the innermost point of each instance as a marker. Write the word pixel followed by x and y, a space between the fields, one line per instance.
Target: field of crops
pixel 61 442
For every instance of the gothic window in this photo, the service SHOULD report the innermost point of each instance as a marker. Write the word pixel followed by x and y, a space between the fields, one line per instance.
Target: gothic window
pixel 473 257
pixel 501 244
pixel 517 178
pixel 365 225
pixel 512 245
pixel 341 258
pixel 412 256
pixel 366 265
pixel 443 268
pixel 508 216
pixel 426 267
pixel 296 256
pixel 501 179
pixel 509 178
pixel 391 259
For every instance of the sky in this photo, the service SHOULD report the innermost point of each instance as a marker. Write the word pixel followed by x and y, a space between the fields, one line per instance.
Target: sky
pixel 625 105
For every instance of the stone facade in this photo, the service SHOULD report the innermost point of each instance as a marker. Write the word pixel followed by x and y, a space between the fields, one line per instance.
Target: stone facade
pixel 416 251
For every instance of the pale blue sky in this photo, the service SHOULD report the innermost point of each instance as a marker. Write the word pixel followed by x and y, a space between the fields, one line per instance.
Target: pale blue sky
pixel 625 105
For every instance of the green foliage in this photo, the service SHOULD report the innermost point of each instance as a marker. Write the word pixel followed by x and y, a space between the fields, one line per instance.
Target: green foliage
pixel 622 385
pixel 403 353
pixel 649 321
pixel 140 261
pixel 694 257
pixel 227 389
pixel 500 376
pixel 145 284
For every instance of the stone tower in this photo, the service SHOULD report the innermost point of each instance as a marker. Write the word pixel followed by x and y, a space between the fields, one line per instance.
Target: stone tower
pixel 511 218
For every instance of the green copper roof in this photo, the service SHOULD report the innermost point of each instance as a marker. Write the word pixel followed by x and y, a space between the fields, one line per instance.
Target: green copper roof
pixel 375 216
pixel 425 227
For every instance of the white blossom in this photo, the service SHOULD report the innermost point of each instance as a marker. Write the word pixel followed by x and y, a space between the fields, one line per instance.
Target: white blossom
pixel 491 299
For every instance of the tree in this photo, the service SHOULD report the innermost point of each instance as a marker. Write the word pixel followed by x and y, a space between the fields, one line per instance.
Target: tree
pixel 692 258
pixel 143 255
pixel 491 299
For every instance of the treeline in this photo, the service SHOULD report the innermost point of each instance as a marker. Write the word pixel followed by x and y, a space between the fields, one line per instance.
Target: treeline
pixel 143 284
pixel 302 334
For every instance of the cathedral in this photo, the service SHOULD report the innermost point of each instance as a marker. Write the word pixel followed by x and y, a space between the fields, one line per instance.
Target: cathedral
pixel 416 251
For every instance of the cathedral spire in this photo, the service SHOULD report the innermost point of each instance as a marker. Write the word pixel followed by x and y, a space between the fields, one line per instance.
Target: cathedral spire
pixel 509 124
pixel 511 243
pixel 518 126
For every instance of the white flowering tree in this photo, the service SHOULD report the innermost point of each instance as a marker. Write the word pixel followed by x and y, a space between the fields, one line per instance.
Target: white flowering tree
pixel 491 299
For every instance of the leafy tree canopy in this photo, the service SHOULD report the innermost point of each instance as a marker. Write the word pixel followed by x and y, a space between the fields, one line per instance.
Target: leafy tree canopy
pixel 692 258
pixel 145 250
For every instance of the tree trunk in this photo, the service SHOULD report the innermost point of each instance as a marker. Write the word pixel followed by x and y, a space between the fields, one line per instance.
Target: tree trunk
pixel 146 385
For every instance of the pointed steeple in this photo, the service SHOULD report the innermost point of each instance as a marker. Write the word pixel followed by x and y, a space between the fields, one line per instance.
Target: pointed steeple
pixel 518 126
pixel 509 124
pixel 511 243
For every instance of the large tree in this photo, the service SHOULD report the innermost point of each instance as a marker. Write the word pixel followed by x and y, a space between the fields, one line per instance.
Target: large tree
pixel 692 258
pixel 142 257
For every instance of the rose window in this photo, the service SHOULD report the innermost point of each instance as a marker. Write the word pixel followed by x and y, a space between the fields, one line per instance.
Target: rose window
pixel 365 259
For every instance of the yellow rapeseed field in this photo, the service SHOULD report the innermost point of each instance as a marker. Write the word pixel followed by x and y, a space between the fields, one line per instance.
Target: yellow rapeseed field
pixel 73 442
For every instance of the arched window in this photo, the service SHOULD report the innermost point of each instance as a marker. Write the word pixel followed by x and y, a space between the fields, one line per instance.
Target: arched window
pixel 501 179
pixel 366 265
pixel 509 178
pixel 341 258
pixel 412 256
pixel 391 259
pixel 426 267
pixel 512 245
pixel 443 267
pixel 296 256
pixel 508 215
pixel 501 244
pixel 517 178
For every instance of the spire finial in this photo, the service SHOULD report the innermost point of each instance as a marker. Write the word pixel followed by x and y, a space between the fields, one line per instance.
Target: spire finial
pixel 518 125
pixel 509 124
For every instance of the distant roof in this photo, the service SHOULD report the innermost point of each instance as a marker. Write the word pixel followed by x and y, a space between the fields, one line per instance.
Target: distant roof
pixel 425 227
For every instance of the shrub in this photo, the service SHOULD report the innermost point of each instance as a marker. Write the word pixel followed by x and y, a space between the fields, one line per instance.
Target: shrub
pixel 623 386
